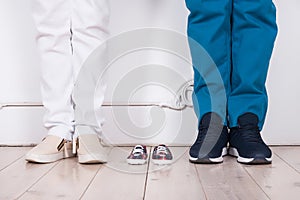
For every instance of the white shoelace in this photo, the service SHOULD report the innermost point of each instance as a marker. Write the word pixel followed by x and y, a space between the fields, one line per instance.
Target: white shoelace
pixel 138 150
pixel 161 149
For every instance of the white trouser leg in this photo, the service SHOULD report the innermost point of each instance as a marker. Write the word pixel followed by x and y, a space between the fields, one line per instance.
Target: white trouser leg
pixel 61 58
pixel 90 29
pixel 52 18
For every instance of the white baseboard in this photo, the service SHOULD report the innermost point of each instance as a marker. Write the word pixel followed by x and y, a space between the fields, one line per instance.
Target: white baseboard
pixel 143 124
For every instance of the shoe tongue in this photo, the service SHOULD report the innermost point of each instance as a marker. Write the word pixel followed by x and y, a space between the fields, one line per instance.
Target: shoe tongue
pixel 248 119
pixel 211 118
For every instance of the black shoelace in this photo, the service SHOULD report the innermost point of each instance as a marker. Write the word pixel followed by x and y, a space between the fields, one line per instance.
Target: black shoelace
pixel 250 134
pixel 211 136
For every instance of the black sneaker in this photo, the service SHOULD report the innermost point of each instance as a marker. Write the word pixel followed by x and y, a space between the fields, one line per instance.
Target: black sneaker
pixel 246 144
pixel 211 143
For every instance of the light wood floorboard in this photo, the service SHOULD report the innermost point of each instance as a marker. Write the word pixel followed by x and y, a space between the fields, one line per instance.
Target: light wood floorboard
pixel 290 154
pixel 279 180
pixel 118 180
pixel 177 181
pixel 67 179
pixel 228 180
pixel 10 154
pixel 20 176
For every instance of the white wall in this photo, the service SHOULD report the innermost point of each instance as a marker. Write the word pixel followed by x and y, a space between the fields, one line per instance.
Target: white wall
pixel 283 82
pixel 21 122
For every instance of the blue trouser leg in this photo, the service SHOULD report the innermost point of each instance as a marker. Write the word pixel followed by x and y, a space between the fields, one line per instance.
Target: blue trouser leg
pixel 209 25
pixel 239 36
pixel 253 33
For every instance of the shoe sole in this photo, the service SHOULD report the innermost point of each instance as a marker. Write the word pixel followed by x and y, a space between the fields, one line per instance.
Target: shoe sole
pixel 136 161
pixel 49 158
pixel 91 159
pixel 209 160
pixel 250 161
pixel 162 162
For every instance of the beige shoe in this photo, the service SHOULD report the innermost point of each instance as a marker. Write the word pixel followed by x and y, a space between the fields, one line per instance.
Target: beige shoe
pixel 90 150
pixel 51 149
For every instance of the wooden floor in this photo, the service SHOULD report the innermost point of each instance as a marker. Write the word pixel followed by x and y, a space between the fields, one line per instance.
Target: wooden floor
pixel 182 180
